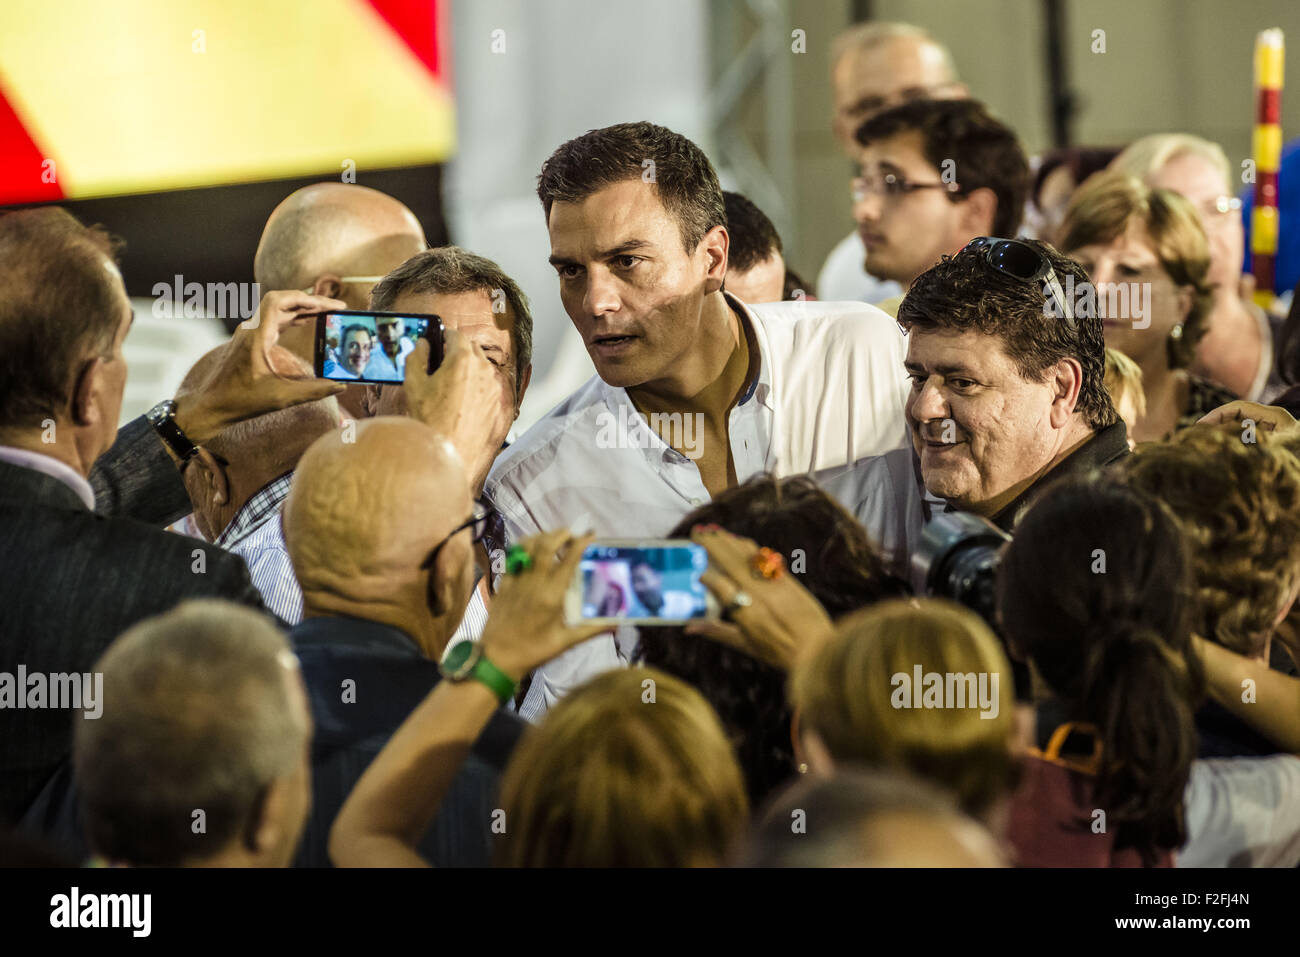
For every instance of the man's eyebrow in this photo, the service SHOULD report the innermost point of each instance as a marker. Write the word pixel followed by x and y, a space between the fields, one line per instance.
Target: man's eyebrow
pixel 952 368
pixel 623 248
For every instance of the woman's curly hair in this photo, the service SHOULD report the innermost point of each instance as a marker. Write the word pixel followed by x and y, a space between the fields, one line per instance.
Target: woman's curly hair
pixel 1236 492
pixel 834 558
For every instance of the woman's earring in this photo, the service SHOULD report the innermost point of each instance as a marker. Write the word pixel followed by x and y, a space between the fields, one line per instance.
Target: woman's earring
pixel 803 768
pixel 1176 332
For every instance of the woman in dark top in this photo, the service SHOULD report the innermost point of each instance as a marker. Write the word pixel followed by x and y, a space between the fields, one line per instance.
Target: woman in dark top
pixel 1149 260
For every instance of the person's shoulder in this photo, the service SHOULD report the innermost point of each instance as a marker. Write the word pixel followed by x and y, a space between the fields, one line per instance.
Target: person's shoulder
pixel 853 330
pixel 544 439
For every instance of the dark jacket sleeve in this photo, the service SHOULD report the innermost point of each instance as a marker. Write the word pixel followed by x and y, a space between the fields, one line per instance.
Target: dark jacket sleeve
pixel 137 479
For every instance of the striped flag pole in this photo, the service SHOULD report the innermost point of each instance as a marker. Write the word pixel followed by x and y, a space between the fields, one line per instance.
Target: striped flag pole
pixel 1269 50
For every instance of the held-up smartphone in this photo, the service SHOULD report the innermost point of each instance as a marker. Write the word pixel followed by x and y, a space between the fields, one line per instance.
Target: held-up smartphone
pixel 640 582
pixel 372 347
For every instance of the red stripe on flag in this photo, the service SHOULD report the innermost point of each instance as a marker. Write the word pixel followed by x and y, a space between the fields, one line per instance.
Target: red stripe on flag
pixel 1268 108
pixel 1266 188
pixel 416 23
pixel 21 162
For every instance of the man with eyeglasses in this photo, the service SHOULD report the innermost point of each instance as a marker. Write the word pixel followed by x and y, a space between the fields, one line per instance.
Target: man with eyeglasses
pixel 935 174
pixel 876 66
pixel 1008 391
pixel 384 589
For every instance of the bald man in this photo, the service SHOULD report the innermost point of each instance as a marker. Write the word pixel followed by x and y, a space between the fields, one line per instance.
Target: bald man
pixel 380 531
pixel 239 480
pixel 875 66
pixel 338 237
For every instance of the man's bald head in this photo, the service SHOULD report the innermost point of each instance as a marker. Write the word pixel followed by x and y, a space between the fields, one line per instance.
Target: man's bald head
pixel 364 515
pixel 876 65
pixel 331 230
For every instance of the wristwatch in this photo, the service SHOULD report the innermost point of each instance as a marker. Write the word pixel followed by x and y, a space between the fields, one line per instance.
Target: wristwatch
pixel 466 660
pixel 163 418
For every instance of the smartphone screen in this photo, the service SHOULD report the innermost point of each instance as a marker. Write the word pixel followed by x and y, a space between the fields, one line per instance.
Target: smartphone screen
pixel 641 582
pixel 372 346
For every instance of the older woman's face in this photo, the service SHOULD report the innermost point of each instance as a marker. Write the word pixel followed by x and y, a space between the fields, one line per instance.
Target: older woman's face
pixel 1202 183
pixel 1138 301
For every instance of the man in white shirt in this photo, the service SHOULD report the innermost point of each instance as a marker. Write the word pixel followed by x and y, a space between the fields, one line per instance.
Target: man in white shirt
pixel 389 359
pixel 695 392
pixel 875 66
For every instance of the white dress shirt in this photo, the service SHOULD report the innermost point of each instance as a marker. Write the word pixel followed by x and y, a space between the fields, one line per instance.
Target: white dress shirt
pixel 256 534
pixel 830 390
pixel 844 275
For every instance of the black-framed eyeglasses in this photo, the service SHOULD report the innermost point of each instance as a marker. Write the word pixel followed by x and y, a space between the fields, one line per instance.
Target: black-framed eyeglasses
pixel 893 185
pixel 1022 261
pixel 479 520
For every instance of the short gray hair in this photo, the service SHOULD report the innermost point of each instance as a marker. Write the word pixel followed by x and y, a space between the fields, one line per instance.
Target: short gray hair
pixel 196 715
pixel 863 36
pixel 447 270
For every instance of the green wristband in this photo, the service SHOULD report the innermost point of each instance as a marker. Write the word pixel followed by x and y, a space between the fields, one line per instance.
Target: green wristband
pixel 494 678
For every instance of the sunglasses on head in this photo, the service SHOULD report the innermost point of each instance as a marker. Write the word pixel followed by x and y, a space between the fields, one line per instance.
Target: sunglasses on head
pixel 1022 261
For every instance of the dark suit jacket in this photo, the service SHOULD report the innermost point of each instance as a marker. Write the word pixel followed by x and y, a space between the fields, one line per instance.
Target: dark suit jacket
pixel 71 581
pixel 137 479
pixel 391 677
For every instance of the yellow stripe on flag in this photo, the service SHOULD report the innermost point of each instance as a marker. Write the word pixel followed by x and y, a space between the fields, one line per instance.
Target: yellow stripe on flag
pixel 132 97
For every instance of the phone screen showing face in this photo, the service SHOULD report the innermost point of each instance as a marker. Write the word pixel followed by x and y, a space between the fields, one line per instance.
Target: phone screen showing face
pixel 641 582
pixel 373 346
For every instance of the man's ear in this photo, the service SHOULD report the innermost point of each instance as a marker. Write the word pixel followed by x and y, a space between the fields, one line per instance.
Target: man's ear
pixel 714 245
pixel 213 476
pixel 85 392
pixel 979 210
pixel 263 830
pixel 1066 380
pixel 524 379
pixel 328 285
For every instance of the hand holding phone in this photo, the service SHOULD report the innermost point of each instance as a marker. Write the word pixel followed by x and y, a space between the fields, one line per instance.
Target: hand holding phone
pixel 640 582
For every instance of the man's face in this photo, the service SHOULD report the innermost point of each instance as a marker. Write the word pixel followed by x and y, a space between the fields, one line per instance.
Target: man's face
pixel 979 427
pixel 866 83
pixel 356 351
pixel 633 293
pixel 1197 179
pixel 648 586
pixel 471 314
pixel 389 334
pixel 906 233
pixel 763 283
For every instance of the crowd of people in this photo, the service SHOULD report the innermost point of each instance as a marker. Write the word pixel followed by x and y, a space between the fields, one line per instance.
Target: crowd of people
pixel 288 620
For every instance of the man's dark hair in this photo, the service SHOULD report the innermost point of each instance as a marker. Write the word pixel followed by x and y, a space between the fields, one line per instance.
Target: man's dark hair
pixel 963 293
pixel 352 330
pixel 448 270
pixel 681 173
pixel 60 306
pixel 830 553
pixel 986 152
pixel 753 237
